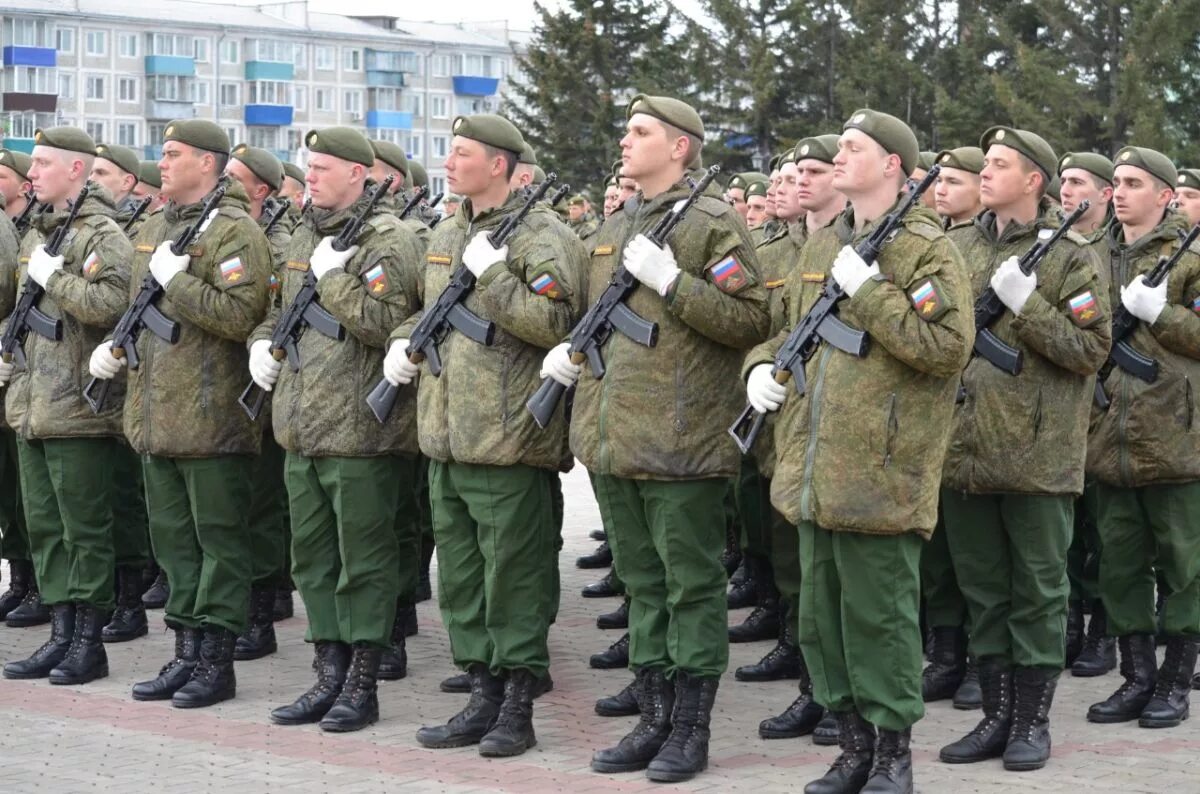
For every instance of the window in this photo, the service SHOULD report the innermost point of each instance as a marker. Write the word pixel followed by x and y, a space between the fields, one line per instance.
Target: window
pixel 269 92
pixel 95 87
pixel 231 52
pixel 352 102
pixel 126 89
pixel 66 41
pixel 441 66
pixel 412 144
pixel 351 59
pixel 439 106
pixel 27 33
pixel 300 97
pixel 324 58
pixel 264 137
pixel 438 144
pixel 199 92
pixel 127 45
pixel 95 130
pixel 413 103
pixel 22 125
pixel 30 80
pixel 169 88
pixel 230 95
pixel 385 99
pixel 274 50
pixel 200 50
pixel 466 106
pixel 295 140
pixel 391 136
pixel 438 184
pixel 127 133
pixel 324 98
pixel 155 132
pixel 234 133
pixel 66 86
pixel 171 44
pixel 96 42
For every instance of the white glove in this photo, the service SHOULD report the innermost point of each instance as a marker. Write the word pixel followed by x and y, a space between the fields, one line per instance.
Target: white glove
pixel 398 370
pixel 264 369
pixel 1144 303
pixel 325 259
pixel 850 271
pixel 6 372
pixel 1012 286
pixel 558 365
pixel 479 255
pixel 42 265
pixel 165 266
pixel 103 364
pixel 762 390
pixel 653 266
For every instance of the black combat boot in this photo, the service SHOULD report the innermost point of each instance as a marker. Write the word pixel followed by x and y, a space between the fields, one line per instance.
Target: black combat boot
pixel 598 535
pixel 655 697
pixel 800 718
pixel 742 592
pixel 947 663
pixel 512 732
pixel 53 651
pixel 605 588
pixel 1138 668
pixel 86 659
pixel 20 574
pixel 31 611
pixel 408 619
pixel 330 661
pixel 685 753
pixel 213 680
pixel 459 684
pixel 1075 630
pixel 600 558
pixel 357 705
pixel 969 696
pixel 283 608
pixel 175 673
pixel 129 618
pixel 158 593
pixel 989 738
pixel 622 704
pixel 1099 654
pixel 781 662
pixel 731 558
pixel 891 772
pixel 1029 738
pixel 471 724
pixel 259 638
pixel 615 656
pixel 850 770
pixel 424 583
pixel 763 621
pixel 1169 705
pixel 393 665
pixel 617 619
pixel 827 733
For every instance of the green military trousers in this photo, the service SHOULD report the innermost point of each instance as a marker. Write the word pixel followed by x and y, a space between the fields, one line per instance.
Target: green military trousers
pixel 667 539
pixel 424 513
pixel 14 536
pixel 1083 557
pixel 495 539
pixel 345 549
pixel 751 493
pixel 945 606
pixel 607 525
pixel 131 527
pixel 1143 529
pixel 66 486
pixel 198 509
pixel 1010 556
pixel 859 627
pixel 268 520
pixel 785 564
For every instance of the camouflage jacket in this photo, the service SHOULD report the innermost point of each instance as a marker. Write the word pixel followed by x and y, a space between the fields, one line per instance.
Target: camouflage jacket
pixel 45 400
pixel 586 228
pixel 474 412
pixel 661 412
pixel 10 248
pixel 1028 433
pixel 1150 432
pixel 321 410
pixel 862 451
pixel 182 400
pixel 125 212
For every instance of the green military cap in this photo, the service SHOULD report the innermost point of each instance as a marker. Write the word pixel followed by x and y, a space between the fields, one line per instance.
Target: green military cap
pixel 926 160
pixel 416 172
pixel 773 163
pixel 121 156
pixel 527 156
pixel 148 172
pixel 820 147
pixel 756 189
pixel 198 133
pixel 578 200
pixel 539 176
pixel 345 143
pixel 19 162
pixel 491 130
pixel 673 111
pixel 891 133
pixel 744 179
pixel 69 139
pixel 616 168
pixel 391 154
pixel 964 158
pixel 1188 177
pixel 1150 161
pixel 261 163
pixel 1054 189
pixel 1096 164
pixel 294 171
pixel 1028 143
pixel 613 181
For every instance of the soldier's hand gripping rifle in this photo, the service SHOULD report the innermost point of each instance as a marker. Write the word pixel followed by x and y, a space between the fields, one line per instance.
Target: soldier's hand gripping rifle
pixel 1124 323
pixel 821 321
pixel 447 313
pixel 137 213
pixel 144 313
pixel 610 313
pixel 27 316
pixel 305 310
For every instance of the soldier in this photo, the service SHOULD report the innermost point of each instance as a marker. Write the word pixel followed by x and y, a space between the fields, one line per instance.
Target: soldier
pixel 662 470
pixel 1015 462
pixel 756 210
pixel 292 191
pixel 149 184
pixel 65 451
pixel 611 192
pixel 772 226
pixel 197 451
pixel 1143 453
pixel 346 474
pixel 490 480
pixel 116 169
pixel 1187 194
pixel 859 559
pixel 956 196
pixel 735 193
pixel 14 181
pixel 450 205
pixel 390 160
pixel 582 220
pixel 925 161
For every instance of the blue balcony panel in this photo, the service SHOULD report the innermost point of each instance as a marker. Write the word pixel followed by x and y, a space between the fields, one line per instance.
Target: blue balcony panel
pixel 270 70
pixel 19 144
pixel 30 56
pixel 466 85
pixel 389 120
pixel 377 79
pixel 171 65
pixel 269 115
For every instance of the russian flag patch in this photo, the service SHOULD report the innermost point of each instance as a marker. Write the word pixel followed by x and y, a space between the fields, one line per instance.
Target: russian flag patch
pixel 232 271
pixel 1196 304
pixel 545 284
pixel 91 265
pixel 1084 311
pixel 728 274
pixel 376 279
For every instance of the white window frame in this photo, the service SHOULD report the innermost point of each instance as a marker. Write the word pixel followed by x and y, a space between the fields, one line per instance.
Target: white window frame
pixel 70 35
pixel 87 43
pixel 102 81
pixel 124 39
pixel 355 57
pixel 325 58
pixel 130 82
pixel 125 126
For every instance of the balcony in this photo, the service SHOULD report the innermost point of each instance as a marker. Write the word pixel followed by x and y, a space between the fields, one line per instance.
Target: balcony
pixel 21 101
pixel 389 120
pixel 468 85
pixel 270 70
pixel 169 109
pixel 385 79
pixel 269 115
pixel 19 144
pixel 30 56
pixel 170 65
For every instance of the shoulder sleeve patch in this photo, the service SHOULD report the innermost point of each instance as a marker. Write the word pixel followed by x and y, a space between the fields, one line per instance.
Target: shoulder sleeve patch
pixel 728 275
pixel 929 299
pixel 375 279
pixel 91 266
pixel 545 282
pixel 603 250
pixel 1195 304
pixel 1085 312
pixel 294 264
pixel 438 259
pixel 232 271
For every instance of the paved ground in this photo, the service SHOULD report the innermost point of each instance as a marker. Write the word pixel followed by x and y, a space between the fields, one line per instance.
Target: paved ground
pixel 96 739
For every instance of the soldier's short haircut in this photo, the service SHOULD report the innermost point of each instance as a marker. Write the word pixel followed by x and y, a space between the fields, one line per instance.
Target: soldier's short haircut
pixel 1029 166
pixel 510 158
pixel 694 143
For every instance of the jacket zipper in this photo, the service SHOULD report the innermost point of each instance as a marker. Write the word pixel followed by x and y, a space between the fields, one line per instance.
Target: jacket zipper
pixel 814 418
